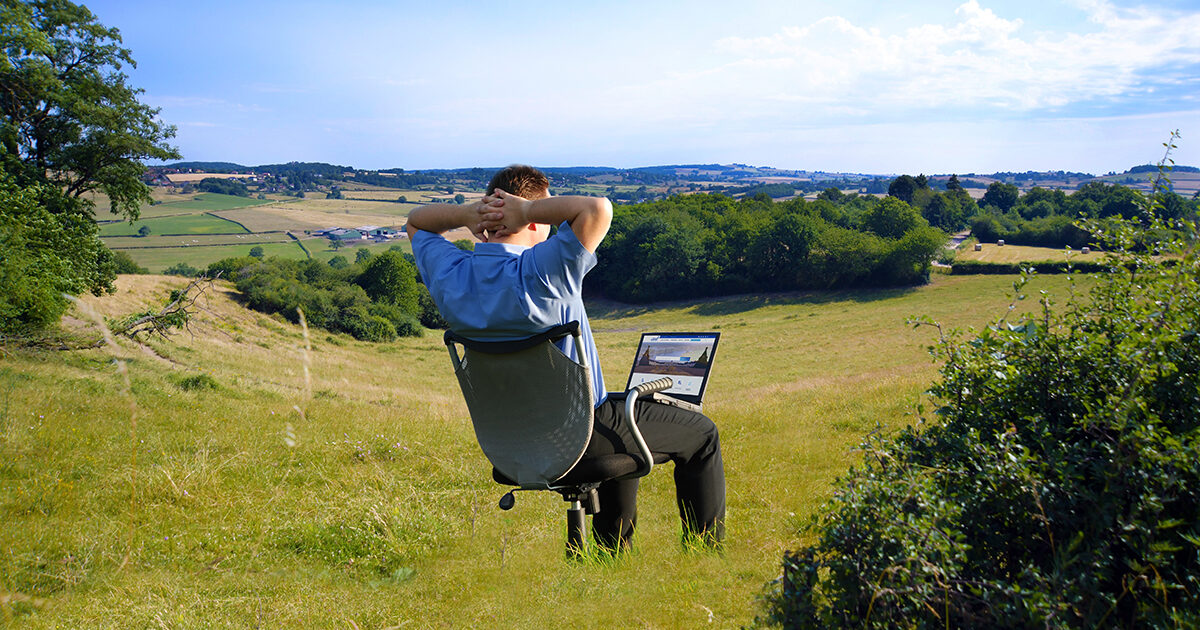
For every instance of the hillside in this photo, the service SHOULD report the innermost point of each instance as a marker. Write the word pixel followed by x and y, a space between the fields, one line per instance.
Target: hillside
pixel 358 497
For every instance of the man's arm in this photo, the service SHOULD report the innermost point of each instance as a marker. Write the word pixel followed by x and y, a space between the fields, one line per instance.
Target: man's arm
pixel 589 217
pixel 443 217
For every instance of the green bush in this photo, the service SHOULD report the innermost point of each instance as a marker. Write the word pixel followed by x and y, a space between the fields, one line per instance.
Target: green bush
pixel 364 326
pixel 48 247
pixel 182 269
pixel 124 263
pixel 1056 484
pixel 405 323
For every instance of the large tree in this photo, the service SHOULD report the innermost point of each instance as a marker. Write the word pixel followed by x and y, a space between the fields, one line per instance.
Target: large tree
pixel 70 124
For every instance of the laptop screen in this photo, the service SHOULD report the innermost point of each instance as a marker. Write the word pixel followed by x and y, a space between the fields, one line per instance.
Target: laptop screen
pixel 686 357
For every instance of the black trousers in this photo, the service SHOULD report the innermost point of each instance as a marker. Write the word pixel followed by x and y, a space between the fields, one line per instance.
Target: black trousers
pixel 691 442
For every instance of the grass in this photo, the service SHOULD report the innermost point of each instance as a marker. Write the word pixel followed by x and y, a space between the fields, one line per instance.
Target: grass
pixel 374 508
pixel 177 224
pixel 200 256
pixel 207 202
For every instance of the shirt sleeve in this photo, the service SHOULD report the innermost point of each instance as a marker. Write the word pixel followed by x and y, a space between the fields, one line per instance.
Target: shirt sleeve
pixel 562 261
pixel 434 255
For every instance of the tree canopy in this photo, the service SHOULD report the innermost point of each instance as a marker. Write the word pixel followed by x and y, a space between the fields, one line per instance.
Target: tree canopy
pixel 70 124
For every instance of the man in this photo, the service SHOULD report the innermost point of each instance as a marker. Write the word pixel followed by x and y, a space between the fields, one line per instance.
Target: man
pixel 518 281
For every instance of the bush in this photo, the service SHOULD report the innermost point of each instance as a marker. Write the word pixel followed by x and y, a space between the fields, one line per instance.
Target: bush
pixel 48 247
pixel 124 263
pixel 405 323
pixel 1056 484
pixel 364 326
pixel 181 269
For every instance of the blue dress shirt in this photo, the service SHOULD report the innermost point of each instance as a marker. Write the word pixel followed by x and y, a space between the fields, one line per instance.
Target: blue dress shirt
pixel 501 292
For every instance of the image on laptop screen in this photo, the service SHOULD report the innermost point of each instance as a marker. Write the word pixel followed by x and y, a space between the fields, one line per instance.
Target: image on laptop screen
pixel 686 357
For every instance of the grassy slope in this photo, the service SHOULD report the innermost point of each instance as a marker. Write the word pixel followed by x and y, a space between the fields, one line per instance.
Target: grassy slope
pixel 232 527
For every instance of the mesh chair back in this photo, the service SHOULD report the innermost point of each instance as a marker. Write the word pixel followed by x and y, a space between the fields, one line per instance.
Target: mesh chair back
pixel 532 410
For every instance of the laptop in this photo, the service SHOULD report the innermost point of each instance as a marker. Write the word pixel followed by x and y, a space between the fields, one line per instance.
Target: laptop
pixel 685 357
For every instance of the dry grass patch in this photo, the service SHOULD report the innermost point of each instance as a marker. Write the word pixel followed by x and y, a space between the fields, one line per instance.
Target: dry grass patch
pixel 991 252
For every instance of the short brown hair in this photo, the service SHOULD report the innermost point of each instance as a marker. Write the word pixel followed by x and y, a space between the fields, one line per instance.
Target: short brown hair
pixel 521 180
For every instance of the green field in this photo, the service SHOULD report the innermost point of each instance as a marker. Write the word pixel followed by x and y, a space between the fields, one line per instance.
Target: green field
pixel 358 499
pixel 201 255
pixel 178 224
pixel 206 202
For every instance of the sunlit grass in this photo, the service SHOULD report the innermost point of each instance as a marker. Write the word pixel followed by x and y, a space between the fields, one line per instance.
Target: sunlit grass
pixel 369 503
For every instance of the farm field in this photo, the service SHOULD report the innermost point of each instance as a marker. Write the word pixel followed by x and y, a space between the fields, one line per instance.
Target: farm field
pixel 1024 253
pixel 358 498
pixel 200 256
pixel 176 224
pixel 219 226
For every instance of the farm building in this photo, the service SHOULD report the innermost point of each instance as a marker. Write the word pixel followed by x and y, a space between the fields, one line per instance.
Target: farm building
pixel 345 235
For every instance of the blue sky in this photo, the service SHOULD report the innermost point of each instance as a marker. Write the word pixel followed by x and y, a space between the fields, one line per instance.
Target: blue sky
pixel 927 86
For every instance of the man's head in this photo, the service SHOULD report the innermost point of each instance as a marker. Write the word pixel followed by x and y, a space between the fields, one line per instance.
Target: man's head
pixel 521 180
pixel 527 182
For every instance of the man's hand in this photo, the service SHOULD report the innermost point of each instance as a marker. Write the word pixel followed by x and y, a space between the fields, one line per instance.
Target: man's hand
pixel 486 215
pixel 507 214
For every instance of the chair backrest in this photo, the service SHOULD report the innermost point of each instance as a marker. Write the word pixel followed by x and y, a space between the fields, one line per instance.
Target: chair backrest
pixel 530 404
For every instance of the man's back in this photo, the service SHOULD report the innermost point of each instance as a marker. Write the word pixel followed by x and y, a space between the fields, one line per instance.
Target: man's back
pixel 502 291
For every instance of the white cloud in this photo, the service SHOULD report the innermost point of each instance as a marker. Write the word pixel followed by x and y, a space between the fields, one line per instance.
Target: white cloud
pixel 977 59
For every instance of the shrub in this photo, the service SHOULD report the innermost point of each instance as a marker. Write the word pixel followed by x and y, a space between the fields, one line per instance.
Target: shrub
pixel 124 263
pixel 181 269
pixel 48 247
pixel 1056 484
pixel 405 323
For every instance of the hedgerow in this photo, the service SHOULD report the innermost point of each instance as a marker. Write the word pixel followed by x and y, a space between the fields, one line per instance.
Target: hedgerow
pixel 1055 484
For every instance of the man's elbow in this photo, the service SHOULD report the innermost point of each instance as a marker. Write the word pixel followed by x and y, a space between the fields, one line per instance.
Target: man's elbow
pixel 603 209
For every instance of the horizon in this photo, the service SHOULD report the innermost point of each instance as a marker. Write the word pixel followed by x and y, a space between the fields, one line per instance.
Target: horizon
pixel 935 86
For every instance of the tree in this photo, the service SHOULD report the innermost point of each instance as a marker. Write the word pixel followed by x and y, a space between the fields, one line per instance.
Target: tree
pixel 460 199
pixel 70 126
pixel 1001 195
pixel 70 118
pixel 257 251
pixel 953 183
pixel 891 218
pixel 361 255
pixel 903 188
pixel 390 279
pixel 144 231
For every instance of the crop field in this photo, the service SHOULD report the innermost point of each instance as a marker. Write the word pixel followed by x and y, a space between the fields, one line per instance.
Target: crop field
pixel 1023 253
pixel 219 486
pixel 177 224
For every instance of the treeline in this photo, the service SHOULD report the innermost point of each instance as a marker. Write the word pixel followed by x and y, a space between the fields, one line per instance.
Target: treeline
pixel 223 186
pixel 710 244
pixel 377 298
pixel 1046 218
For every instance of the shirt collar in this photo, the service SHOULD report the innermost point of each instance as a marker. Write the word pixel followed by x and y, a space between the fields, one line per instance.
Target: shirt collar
pixel 499 249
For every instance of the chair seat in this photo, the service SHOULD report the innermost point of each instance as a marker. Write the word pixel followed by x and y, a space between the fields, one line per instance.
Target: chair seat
pixel 593 469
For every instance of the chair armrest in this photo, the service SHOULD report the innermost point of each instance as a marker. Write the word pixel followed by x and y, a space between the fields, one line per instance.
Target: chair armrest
pixel 631 398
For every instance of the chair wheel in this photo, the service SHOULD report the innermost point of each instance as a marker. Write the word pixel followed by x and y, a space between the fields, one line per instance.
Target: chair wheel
pixel 508 501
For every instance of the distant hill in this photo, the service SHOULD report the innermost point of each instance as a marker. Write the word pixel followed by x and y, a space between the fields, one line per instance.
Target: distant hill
pixel 210 167
pixel 1150 168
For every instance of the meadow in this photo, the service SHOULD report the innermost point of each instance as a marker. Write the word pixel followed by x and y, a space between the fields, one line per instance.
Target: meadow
pixel 247 474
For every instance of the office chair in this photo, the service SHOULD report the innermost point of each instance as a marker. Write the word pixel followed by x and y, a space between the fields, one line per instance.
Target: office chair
pixel 535 440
